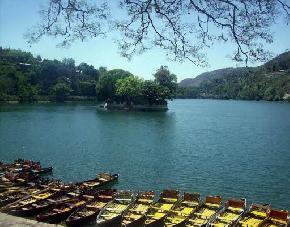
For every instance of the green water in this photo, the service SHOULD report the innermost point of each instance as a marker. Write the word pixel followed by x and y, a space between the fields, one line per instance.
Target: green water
pixel 230 148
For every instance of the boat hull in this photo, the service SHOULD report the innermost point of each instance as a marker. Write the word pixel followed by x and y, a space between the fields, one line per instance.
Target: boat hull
pixel 114 222
pixel 7 202
pixel 137 223
pixel 82 221
pixel 54 218
pixel 157 223
pixel 34 211
pixel 181 224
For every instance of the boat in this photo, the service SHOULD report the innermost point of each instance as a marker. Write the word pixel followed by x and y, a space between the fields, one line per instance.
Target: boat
pixel 135 216
pixel 254 216
pixel 11 196
pixel 16 207
pixel 181 213
pixel 6 186
pixel 229 215
pixel 9 189
pixel 42 171
pixel 276 218
pixel 206 212
pixel 18 178
pixel 158 211
pixel 39 203
pixel 21 198
pixel 25 166
pixel 60 212
pixel 88 213
pixel 40 206
pixel 111 214
pixel 100 180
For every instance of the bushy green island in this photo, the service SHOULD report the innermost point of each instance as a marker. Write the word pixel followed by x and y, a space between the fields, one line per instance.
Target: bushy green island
pixel 270 81
pixel 25 78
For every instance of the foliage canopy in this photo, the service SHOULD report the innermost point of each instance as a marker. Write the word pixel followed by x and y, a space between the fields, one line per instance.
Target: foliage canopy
pixel 183 28
pixel 27 79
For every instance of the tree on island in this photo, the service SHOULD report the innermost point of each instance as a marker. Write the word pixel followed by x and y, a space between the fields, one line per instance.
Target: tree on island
pixel 166 79
pixel 129 88
pixel 134 90
pixel 154 93
pixel 183 28
pixel 106 88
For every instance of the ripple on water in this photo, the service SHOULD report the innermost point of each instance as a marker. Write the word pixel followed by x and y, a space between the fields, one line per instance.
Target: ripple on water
pixel 232 148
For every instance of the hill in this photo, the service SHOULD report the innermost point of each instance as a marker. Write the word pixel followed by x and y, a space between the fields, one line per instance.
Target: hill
pixel 270 81
pixel 216 74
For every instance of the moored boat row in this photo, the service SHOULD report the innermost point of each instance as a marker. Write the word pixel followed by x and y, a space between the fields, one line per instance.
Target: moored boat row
pixel 87 202
pixel 111 208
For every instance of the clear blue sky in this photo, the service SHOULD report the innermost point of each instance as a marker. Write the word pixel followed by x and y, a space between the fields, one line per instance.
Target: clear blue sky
pixel 16 16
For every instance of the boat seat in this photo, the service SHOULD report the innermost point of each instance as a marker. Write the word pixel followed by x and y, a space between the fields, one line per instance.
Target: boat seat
pixel 102 179
pixel 170 200
pixel 88 196
pixel 72 194
pixel 114 209
pixel 105 196
pixel 213 205
pixel 250 221
pixel 133 216
pixel 236 209
pixel 145 200
pixel 121 199
pixel 278 221
pixel 190 203
pixel 259 213
pixel 91 184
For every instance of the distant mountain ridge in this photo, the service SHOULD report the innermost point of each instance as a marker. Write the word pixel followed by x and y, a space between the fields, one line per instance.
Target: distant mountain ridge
pixel 281 62
pixel 270 81
pixel 216 74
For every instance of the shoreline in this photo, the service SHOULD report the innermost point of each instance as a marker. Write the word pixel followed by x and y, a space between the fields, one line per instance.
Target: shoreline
pixel 13 102
pixel 14 221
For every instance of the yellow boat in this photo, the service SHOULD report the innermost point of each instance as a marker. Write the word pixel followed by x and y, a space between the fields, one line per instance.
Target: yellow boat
pixel 136 215
pixel 230 213
pixel 181 213
pixel 111 214
pixel 158 211
pixel 255 216
pixel 205 212
pixel 276 218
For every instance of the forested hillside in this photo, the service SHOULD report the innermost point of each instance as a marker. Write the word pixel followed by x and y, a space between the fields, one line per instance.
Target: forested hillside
pixel 270 81
pixel 26 78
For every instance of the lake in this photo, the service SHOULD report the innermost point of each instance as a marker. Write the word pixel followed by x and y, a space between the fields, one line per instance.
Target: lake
pixel 235 149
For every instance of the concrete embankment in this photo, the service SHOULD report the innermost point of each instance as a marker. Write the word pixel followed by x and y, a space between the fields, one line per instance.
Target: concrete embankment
pixel 8 221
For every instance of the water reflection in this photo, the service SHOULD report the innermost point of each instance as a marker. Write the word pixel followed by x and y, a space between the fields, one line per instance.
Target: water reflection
pixel 140 139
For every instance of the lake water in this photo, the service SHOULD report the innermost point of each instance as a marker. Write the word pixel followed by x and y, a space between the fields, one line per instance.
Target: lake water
pixel 229 148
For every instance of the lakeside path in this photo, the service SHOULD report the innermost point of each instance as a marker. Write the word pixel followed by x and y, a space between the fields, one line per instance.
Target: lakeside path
pixel 8 221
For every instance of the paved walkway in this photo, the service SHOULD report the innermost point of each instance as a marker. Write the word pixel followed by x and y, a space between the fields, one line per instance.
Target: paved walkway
pixel 8 221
